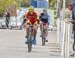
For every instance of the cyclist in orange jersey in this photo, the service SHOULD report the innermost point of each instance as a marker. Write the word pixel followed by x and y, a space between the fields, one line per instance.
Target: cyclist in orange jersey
pixel 31 18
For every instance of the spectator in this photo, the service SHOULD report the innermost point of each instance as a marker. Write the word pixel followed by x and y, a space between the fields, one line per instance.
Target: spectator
pixel 7 19
pixel 73 22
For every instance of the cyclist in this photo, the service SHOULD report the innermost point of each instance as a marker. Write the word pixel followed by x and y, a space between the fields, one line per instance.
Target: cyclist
pixel 32 18
pixel 44 18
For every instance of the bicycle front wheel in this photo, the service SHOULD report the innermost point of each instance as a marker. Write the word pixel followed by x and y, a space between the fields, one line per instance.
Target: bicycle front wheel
pixel 30 42
pixel 43 41
pixel 43 38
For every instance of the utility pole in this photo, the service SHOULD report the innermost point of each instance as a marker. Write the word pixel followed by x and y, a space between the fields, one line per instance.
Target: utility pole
pixel 67 33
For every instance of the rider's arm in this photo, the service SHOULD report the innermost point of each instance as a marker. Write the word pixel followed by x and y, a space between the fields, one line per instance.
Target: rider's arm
pixel 24 20
pixel 37 17
pixel 26 15
pixel 40 17
pixel 38 20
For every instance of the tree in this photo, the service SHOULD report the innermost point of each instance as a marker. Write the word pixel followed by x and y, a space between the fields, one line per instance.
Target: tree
pixel 19 2
pixel 27 2
pixel 4 4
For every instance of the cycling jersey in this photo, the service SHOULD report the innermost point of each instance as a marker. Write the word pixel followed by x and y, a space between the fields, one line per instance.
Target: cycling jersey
pixel 32 17
pixel 44 17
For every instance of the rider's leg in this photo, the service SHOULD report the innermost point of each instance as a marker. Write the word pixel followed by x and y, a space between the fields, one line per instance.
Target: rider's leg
pixel 46 32
pixel 27 32
pixel 35 32
pixel 41 27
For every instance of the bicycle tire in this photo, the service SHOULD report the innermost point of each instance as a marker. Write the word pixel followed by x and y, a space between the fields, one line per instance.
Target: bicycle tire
pixel 43 41
pixel 30 42
pixel 43 37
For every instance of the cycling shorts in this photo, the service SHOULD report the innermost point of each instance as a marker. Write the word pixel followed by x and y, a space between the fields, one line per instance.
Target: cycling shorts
pixel 44 20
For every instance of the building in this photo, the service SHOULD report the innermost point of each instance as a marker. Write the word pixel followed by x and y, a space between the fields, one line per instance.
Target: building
pixel 43 3
pixel 34 3
pixel 40 3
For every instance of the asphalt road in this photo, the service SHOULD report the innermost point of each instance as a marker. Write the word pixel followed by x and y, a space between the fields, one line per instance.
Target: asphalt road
pixel 12 45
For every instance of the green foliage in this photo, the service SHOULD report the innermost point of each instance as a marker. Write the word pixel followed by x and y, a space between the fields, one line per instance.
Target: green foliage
pixel 4 4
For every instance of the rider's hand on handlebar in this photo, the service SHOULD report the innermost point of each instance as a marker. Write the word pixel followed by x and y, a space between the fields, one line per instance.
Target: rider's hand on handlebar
pixel 38 21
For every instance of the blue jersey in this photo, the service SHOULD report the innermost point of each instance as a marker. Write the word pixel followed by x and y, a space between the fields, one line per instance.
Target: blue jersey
pixel 44 17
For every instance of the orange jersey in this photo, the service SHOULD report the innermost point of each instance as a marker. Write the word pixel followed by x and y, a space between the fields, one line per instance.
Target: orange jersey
pixel 32 17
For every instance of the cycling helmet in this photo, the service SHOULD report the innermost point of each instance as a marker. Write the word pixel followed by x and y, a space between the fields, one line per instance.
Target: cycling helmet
pixel 44 10
pixel 31 9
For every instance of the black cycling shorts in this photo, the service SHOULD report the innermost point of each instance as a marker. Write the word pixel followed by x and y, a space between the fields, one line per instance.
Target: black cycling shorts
pixel 44 20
